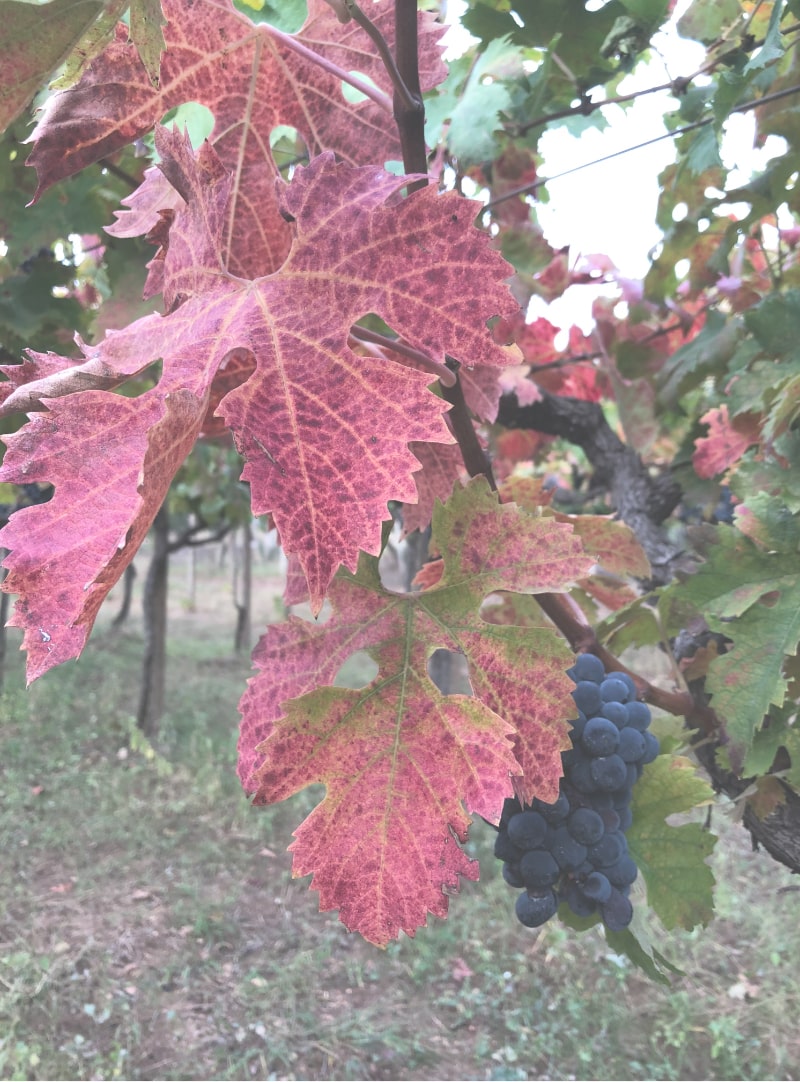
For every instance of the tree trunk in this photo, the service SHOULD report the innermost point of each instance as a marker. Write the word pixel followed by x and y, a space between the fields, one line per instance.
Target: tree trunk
pixel 243 590
pixel 191 580
pixel 154 604
pixel 127 597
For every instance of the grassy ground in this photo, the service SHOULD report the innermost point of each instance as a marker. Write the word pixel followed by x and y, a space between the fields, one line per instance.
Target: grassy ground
pixel 149 926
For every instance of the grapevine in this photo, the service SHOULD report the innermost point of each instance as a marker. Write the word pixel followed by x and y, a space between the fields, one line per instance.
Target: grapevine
pixel 365 337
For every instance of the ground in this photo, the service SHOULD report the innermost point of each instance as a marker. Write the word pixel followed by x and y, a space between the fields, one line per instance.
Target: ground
pixel 150 927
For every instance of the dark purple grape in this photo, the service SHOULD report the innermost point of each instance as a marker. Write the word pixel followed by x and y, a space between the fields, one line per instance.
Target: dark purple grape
pixel 512 876
pixel 600 736
pixel 585 826
pixel 651 750
pixel 589 667
pixel 629 683
pixel 538 869
pixel 555 812
pixel 631 745
pixel 597 887
pixel 587 698
pixel 580 776
pixel 527 830
pixel 569 854
pixel 504 849
pixel 613 690
pixel 608 850
pixel 533 910
pixel 616 712
pixel 609 773
pixel 638 715
pixel 623 873
pixel 617 912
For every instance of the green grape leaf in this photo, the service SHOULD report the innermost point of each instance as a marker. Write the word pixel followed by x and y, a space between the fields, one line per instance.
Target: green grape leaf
pixel 672 858
pixel 752 597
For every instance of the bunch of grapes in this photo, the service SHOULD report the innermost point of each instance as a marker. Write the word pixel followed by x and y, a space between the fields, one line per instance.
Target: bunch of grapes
pixel 575 849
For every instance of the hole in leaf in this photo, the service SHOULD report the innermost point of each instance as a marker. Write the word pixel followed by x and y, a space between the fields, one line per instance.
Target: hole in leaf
pixel 353 96
pixel 679 212
pixel 682 267
pixel 289 149
pixel 197 119
pixel 450 672
pixel 357 672
pixel 286 17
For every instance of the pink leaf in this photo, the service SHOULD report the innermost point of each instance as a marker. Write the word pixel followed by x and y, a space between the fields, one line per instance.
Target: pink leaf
pixel 324 431
pixel 400 761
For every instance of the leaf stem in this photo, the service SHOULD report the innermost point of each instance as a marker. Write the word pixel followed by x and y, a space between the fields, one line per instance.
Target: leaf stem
pixel 351 78
pixel 446 377
pixel 475 458
pixel 409 111
pixel 410 101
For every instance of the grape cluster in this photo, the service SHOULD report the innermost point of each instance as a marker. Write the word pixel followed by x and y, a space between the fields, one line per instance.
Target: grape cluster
pixel 575 849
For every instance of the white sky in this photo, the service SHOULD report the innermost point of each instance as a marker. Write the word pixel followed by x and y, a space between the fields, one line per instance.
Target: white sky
pixel 610 207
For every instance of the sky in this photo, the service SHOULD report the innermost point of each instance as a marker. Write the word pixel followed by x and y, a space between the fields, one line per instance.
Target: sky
pixel 609 207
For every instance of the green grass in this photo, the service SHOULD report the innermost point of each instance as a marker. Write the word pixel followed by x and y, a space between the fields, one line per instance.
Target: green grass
pixel 149 925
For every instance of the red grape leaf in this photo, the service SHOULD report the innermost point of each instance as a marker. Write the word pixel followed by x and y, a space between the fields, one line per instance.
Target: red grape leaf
pixel 442 466
pixel 252 81
pixel 324 432
pixel 726 442
pixel 611 543
pixel 400 761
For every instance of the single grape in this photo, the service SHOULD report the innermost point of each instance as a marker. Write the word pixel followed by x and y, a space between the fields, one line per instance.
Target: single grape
pixel 589 667
pixel 504 848
pixel 638 715
pixel 600 736
pixel 580 776
pixel 631 745
pixel 569 854
pixel 527 830
pixel 608 850
pixel 625 819
pixel 623 873
pixel 585 826
pixel 533 910
pixel 512 876
pixel 609 773
pixel 652 748
pixel 555 812
pixel 616 712
pixel 538 869
pixel 617 912
pixel 587 697
pixel 597 887
pixel 613 690
pixel 628 682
